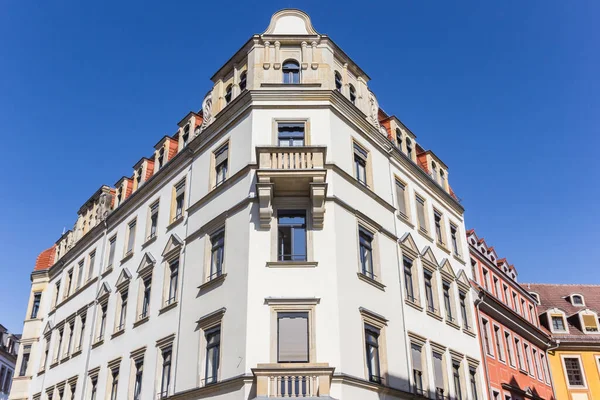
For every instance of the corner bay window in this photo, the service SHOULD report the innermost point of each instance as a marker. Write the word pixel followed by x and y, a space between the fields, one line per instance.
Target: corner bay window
pixel 291 231
pixel 366 252
pixel 292 337
pixel 360 164
pixel 217 253
pixel 372 351
pixel 291 72
pixel 35 308
pixel 290 134
pixel 213 346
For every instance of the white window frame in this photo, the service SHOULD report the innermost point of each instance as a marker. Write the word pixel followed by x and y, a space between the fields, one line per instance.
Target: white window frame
pixel 562 362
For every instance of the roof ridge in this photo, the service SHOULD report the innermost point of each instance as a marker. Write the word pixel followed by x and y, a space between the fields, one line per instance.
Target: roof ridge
pixel 562 284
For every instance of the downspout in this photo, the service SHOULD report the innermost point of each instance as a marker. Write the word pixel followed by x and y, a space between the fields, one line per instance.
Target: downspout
pixel 398 264
pixel 478 301
pixel 94 313
pixel 550 348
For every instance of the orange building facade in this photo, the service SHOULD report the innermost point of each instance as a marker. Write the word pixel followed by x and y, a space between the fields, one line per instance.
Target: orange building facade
pixel 512 342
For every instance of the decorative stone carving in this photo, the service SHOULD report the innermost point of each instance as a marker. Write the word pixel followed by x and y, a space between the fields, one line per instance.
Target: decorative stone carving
pixel 374 110
pixel 318 191
pixel 206 111
pixel 103 207
pixel 265 206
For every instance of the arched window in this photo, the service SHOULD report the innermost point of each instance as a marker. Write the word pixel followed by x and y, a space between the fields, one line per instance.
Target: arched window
pixel 243 81
pixel 409 148
pixel 577 300
pixel 434 171
pixel 338 82
pixel 399 138
pixel 352 94
pixel 442 178
pixel 228 94
pixel 291 72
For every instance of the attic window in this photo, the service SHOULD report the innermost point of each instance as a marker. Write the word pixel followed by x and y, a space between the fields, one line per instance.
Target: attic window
pixel 352 94
pixel 577 300
pixel 492 258
pixel 228 94
pixel 399 138
pixel 139 175
pixel 338 81
pixel 558 323
pixel 409 148
pixel 161 157
pixel 473 241
pixel 434 171
pixel 590 323
pixel 186 135
pixel 243 81
pixel 291 72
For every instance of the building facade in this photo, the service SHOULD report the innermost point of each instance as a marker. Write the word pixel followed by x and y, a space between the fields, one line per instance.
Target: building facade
pixel 512 340
pixel 290 239
pixel 569 313
pixel 9 346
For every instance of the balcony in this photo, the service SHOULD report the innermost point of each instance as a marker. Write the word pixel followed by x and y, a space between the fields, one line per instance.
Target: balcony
pixel 291 171
pixel 293 380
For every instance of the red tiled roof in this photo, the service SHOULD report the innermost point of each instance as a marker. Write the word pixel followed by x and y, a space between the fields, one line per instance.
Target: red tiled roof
pixel 46 259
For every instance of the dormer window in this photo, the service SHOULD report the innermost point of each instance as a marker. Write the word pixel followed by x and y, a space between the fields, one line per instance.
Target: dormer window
pixel 535 296
pixel 243 81
pixel 186 135
pixel 399 138
pixel 558 323
pixel 434 171
pixel 409 148
pixel 577 300
pixel 119 195
pixel 352 94
pixel 228 94
pixel 442 179
pixel 589 322
pixel 291 72
pixel 138 178
pixel 161 157
pixel 338 82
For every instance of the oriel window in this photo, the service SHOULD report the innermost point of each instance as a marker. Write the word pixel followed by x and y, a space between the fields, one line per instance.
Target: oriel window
pixel 291 72
pixel 291 228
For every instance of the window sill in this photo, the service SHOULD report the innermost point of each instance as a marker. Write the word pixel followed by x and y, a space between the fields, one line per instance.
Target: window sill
pixel 33 320
pixel 175 222
pixel 54 364
pixel 459 259
pixel 443 247
pixel 107 271
pixel 65 358
pixel 523 371
pixel 453 324
pixel 127 257
pixel 294 85
pixel 117 333
pixel 292 264
pixel 425 234
pixel 213 282
pixel 371 281
pixel 149 241
pixel 413 304
pixel 469 332
pixel 98 343
pixel 434 315
pixel 167 308
pixel 75 354
pixel 405 219
pixel 141 321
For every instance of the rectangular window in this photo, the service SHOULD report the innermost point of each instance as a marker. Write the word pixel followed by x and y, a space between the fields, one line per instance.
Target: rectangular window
pixel 536 364
pixel 68 283
pixel 102 326
pixel 528 358
pixel 498 339
pixel 165 379
pixel 114 386
pixel 290 134
pixel 486 279
pixel 558 323
pixel 130 237
pixel 25 360
pixel 173 278
pixel 153 221
pixel 80 274
pixel 573 369
pixel 486 336
pixel 57 297
pixel 366 252
pixel 497 287
pixel 221 158
pixel 589 322
pixel 70 340
pixel 421 213
pixel 545 371
pixel 417 369
pixel 408 279
pixel 217 254
pixel 519 353
pixel 35 307
pixel 463 309
pixel 213 349
pixel 428 277
pixel 509 349
pixel 455 238
pixel 81 331
pixel 439 233
pixel 372 350
pixel 147 285
pixel 112 244
pixel 506 297
pixel 179 199
pixel 292 337
pixel 2 371
pixel 291 235
pixel 515 302
pixel 532 315
pixel 523 309
pixel 447 301
pixel 360 164
pixel 473 380
pixel 139 372
pixel 122 311
pixel 438 375
pixel 456 377
pixel 94 387
pixel 91 261
pixel 401 195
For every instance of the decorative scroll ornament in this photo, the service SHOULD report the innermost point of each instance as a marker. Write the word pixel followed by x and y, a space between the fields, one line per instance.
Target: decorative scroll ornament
pixel 374 114
pixel 103 207
pixel 206 111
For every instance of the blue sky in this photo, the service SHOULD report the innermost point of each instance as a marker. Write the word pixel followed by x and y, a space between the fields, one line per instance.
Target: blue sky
pixel 506 93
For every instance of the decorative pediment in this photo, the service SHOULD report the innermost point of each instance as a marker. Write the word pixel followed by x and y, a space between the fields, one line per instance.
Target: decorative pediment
pixel 146 264
pixel 48 328
pixel 463 280
pixel 446 270
pixel 428 257
pixel 290 22
pixel 124 278
pixel 407 243
pixel 103 291
pixel 173 244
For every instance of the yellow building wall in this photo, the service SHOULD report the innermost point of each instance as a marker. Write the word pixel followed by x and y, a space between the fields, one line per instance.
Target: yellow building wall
pixel 591 370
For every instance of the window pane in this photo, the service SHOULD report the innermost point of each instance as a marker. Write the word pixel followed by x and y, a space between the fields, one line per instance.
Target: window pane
pixel 292 236
pixel 292 337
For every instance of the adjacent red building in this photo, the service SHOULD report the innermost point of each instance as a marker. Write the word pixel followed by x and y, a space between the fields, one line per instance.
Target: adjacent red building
pixel 512 341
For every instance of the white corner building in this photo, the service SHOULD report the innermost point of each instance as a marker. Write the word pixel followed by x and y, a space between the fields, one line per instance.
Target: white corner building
pixel 290 239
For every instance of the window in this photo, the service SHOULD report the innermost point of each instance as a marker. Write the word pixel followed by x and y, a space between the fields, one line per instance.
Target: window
pixel 545 371
pixel 153 221
pixel 497 286
pixel 139 371
pixel 454 238
pixel 366 252
pixel 291 235
pixel 291 72
pixel 447 301
pixel 473 380
pixel 80 274
pixel 421 213
pixel 401 195
pixel 228 94
pixel 352 94
pixel 173 277
pixel 25 360
pixel 8 380
pixel 102 326
pixel 437 217
pixel 292 337
pixel 179 197
pixel 408 279
pixel 399 138
pixel 558 323
pixel 35 307
pixel 45 357
pixel 81 331
pixel 528 358
pixel 590 323
pixel 138 176
pixel 428 277
pixel 122 311
pixel 463 309
pixel 519 354
pixel 574 373
pixel 536 364
pixel 147 286
pixel 577 300
pixel 532 315
pixel 221 158
pixel 213 348
pixel 434 174
pixel 243 81
pixel 438 375
pixel 94 387
pixel 338 82
pixel 360 164
pixel 511 358
pixel 70 340
pixel 409 149
pixel 217 254
pixel 57 298
pixel 165 376
pixel 91 261
pixel 114 386
pixel 130 237
pixel 456 377
pixel 506 297
pixel 417 366
pixel 486 336
pixel 486 279
pixel 68 283
pixel 515 302
pixel 290 134
pixel 372 350
pixel 442 177
pixel 523 309
pixel 161 157
pixel 186 135
pixel 499 344
pixel 112 244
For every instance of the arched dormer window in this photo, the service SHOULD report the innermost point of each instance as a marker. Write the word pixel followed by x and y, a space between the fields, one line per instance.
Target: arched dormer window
pixel 291 72
pixel 338 82
pixel 434 173
pixel 399 138
pixel 243 79
pixel 589 321
pixel 557 321
pixel 442 179
pixel 409 148
pixel 352 94
pixel 535 296
pixel 228 94
pixel 577 300
pixel 186 135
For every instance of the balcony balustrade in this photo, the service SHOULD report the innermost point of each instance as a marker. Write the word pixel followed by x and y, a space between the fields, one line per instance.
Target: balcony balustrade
pixel 293 380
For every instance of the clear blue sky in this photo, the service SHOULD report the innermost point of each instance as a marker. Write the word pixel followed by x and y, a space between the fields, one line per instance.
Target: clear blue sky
pixel 505 92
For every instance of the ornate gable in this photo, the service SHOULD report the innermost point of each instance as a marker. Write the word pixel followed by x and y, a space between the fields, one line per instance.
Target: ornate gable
pixel 124 278
pixel 446 270
pixel 48 328
pixel 463 280
pixel 173 244
pixel 103 291
pixel 428 258
pixel 146 264
pixel 407 243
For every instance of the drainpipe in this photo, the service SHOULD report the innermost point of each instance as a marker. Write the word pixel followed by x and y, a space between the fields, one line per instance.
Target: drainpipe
pixel 478 302
pixel 550 348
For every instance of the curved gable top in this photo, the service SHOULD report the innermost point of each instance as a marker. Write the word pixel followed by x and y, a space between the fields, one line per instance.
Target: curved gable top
pixel 290 22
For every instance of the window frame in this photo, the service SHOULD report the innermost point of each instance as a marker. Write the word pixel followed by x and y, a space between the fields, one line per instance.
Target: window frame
pixel 579 359
pixel 220 168
pixel 292 305
pixel 281 257
pixel 294 75
pixel 423 226
pixel 405 214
